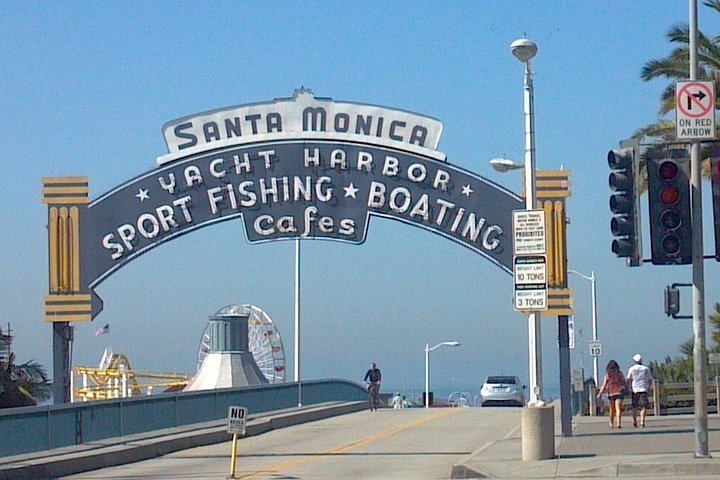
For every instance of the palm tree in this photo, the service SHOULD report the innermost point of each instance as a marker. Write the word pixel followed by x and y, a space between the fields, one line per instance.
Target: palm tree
pixel 676 66
pixel 21 385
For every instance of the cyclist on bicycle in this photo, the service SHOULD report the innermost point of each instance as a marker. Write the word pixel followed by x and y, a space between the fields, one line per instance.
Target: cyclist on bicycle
pixel 373 378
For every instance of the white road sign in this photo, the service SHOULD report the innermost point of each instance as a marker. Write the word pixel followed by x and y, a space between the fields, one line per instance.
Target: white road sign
pixel 695 110
pixel 529 232
pixel 530 271
pixel 595 347
pixel 237 418
pixel 578 379
pixel 714 358
pixel 530 282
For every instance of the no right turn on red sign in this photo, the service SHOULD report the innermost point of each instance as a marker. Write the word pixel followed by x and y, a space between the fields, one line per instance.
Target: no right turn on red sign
pixel 695 110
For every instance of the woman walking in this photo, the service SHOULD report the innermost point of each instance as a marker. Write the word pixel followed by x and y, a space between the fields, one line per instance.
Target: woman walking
pixel 616 388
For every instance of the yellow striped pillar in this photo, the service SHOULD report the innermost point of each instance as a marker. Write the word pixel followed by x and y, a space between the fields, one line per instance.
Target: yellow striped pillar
pixel 65 198
pixel 553 188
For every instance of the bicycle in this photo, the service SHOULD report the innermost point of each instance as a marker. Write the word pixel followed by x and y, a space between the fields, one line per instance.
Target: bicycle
pixel 373 394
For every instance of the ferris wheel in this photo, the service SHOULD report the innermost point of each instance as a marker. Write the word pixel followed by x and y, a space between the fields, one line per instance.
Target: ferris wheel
pixel 264 341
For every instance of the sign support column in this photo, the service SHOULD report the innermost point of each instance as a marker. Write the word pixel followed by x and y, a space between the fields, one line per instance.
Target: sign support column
pixel 699 368
pixel 530 271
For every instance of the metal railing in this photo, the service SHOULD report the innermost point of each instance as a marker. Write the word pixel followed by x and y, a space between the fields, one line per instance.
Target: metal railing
pixel 33 429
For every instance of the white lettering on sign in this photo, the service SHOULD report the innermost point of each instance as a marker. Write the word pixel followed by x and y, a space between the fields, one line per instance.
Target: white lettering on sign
pixel 241 193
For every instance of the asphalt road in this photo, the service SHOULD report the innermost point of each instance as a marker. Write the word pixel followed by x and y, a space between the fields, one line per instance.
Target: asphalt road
pixel 387 444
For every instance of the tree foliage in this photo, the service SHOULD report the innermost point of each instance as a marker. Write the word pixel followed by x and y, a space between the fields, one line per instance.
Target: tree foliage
pixel 21 385
pixel 675 67
pixel 681 369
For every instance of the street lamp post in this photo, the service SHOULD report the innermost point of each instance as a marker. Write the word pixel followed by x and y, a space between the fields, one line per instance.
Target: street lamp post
pixel 429 349
pixel 593 303
pixel 524 50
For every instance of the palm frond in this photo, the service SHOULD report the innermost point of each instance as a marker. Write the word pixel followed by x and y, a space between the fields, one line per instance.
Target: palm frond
pixel 678 33
pixel 714 4
pixel 676 65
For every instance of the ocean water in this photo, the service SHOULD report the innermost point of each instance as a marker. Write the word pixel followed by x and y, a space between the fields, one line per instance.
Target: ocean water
pixel 550 392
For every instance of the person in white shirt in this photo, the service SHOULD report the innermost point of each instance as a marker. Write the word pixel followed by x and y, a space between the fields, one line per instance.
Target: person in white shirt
pixel 640 380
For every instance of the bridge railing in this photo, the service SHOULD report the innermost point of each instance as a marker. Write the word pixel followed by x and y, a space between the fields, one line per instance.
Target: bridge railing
pixel 33 429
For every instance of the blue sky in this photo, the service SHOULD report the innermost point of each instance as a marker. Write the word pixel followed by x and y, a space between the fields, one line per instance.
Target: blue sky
pixel 86 87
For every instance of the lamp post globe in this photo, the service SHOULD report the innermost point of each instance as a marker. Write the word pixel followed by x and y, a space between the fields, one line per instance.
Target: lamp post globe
pixel 523 49
pixel 504 165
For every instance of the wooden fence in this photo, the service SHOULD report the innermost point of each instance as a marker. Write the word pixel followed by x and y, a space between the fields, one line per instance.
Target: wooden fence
pixel 670 398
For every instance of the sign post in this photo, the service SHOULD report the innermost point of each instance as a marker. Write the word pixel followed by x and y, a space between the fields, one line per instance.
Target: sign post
pixel 237 420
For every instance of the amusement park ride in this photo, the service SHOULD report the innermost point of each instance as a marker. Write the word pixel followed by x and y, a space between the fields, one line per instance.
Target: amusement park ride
pixel 115 378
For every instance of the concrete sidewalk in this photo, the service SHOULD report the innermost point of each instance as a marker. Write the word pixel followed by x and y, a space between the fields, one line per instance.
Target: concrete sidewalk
pixel 664 448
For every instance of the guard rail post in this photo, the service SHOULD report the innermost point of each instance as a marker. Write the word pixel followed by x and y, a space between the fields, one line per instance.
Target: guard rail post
pixel 656 398
pixel 592 400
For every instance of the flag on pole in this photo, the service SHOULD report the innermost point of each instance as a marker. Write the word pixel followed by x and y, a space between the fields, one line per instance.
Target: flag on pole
pixel 103 331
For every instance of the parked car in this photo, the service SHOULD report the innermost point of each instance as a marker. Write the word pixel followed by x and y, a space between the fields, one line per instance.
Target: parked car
pixel 502 390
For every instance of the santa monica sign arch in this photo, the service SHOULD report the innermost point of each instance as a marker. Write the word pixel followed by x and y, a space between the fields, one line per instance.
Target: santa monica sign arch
pixel 301 167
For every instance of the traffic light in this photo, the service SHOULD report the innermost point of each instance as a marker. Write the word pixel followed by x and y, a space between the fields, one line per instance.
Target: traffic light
pixel 625 205
pixel 715 166
pixel 669 200
pixel 672 301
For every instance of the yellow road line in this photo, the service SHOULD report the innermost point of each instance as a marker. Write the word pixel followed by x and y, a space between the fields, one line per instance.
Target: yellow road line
pixel 274 469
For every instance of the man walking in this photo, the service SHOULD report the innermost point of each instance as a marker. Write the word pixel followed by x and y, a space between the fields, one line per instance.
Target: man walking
pixel 640 380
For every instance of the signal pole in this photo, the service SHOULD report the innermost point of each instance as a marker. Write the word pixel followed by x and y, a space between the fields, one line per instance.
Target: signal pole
pixel 698 274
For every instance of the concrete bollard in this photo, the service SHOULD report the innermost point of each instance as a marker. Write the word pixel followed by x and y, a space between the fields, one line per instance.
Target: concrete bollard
pixel 592 396
pixel 538 433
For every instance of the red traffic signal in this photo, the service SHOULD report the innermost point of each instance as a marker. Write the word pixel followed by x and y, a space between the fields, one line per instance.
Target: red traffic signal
pixel 669 202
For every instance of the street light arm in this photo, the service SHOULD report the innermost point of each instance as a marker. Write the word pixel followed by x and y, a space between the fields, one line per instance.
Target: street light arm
pixel 591 278
pixel 449 344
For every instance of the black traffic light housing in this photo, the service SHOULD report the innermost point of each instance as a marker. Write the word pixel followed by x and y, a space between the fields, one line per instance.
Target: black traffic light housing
pixel 672 300
pixel 669 202
pixel 625 202
pixel 715 178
